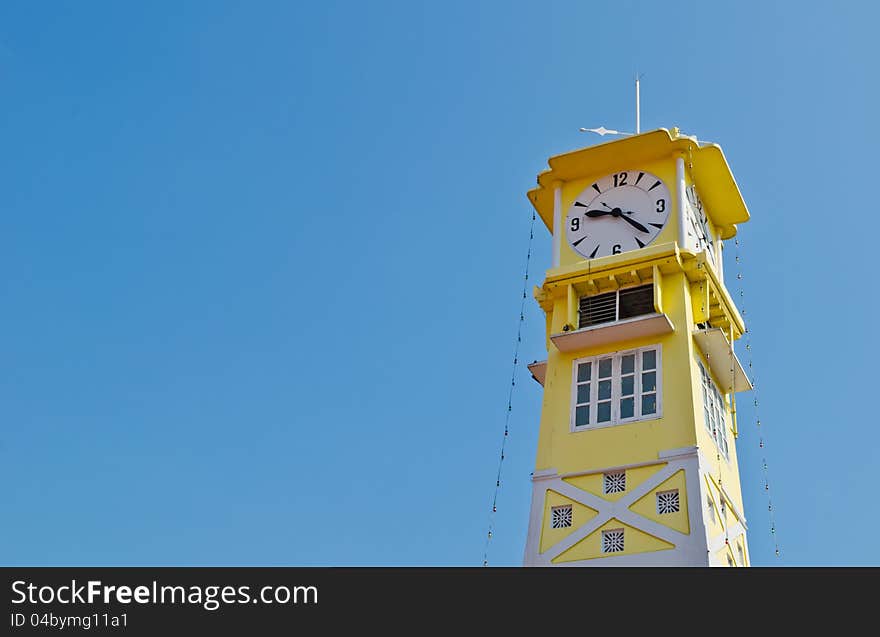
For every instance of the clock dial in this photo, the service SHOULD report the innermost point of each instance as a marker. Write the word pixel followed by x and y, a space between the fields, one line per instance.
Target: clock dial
pixel 698 226
pixel 621 212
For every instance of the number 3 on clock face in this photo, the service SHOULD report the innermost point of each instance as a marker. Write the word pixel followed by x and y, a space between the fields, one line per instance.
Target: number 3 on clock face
pixel 623 211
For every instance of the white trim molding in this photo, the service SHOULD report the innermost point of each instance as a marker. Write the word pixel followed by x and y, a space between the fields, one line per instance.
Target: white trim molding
pixel 558 230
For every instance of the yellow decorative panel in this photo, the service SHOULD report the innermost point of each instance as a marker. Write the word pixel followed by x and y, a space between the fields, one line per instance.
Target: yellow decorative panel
pixel 580 515
pixel 725 556
pixel 635 541
pixel 647 505
pixel 714 526
pixel 594 482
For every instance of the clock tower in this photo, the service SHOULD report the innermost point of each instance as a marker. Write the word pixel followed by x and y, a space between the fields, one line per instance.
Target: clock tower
pixel 636 460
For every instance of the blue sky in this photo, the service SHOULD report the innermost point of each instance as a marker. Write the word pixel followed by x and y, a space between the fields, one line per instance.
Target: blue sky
pixel 262 266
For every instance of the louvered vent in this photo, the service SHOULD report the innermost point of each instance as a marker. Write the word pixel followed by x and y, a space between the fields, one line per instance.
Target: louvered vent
pixel 613 306
pixel 601 308
pixel 668 502
pixel 612 541
pixel 636 301
pixel 561 517
pixel 615 482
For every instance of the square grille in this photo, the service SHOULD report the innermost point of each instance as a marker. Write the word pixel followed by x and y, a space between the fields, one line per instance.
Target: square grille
pixel 667 502
pixel 560 517
pixel 615 482
pixel 612 541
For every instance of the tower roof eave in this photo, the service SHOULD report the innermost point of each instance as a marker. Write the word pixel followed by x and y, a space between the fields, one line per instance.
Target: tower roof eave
pixel 708 167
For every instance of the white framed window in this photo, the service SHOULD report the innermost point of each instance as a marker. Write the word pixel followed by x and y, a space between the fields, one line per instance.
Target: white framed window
pixel 621 387
pixel 710 506
pixel 560 517
pixel 614 482
pixel 742 556
pixel 668 502
pixel 612 541
pixel 713 411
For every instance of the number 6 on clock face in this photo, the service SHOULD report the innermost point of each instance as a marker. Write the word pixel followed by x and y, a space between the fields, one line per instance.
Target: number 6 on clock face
pixel 623 211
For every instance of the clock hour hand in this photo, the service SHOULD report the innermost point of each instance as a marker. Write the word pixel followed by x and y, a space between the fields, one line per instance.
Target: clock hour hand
pixel 635 224
pixel 592 213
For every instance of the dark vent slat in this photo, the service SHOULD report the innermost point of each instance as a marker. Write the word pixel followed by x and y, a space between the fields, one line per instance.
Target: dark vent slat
pixel 607 307
pixel 636 301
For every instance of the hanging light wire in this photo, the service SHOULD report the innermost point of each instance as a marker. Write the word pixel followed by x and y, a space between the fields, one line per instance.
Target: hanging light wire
pixel 507 413
pixel 760 430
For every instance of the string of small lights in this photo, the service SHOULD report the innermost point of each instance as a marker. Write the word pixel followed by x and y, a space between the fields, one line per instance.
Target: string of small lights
pixel 761 443
pixel 519 326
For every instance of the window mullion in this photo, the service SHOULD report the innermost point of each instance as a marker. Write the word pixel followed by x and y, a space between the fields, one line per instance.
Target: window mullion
pixel 594 390
pixel 637 385
pixel 615 387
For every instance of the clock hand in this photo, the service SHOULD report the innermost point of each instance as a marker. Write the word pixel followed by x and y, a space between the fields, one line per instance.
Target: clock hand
pixel 614 212
pixel 592 213
pixel 635 224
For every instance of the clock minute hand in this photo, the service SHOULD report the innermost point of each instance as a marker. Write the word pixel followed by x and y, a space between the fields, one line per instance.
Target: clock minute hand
pixel 634 223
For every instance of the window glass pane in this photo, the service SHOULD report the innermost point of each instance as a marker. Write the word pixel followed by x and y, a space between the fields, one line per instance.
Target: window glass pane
pixel 649 381
pixel 628 364
pixel 604 389
pixel 604 412
pixel 627 405
pixel 649 359
pixel 605 368
pixel 584 372
pixel 649 404
pixel 626 385
pixel 582 416
pixel 583 394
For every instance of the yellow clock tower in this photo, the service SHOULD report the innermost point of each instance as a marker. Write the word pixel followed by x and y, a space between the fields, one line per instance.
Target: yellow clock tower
pixel 636 461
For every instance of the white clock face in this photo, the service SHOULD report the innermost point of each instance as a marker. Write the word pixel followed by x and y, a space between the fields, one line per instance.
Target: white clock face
pixel 698 226
pixel 621 212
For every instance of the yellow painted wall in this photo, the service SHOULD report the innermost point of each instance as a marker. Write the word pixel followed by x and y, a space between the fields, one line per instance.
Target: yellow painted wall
pixel 635 541
pixel 580 515
pixel 647 505
pixel 571 452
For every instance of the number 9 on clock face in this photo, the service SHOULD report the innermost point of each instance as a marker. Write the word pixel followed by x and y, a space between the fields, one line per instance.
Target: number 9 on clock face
pixel 623 211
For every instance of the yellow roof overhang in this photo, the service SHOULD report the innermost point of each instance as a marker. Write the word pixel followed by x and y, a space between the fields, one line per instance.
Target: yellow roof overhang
pixel 710 172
